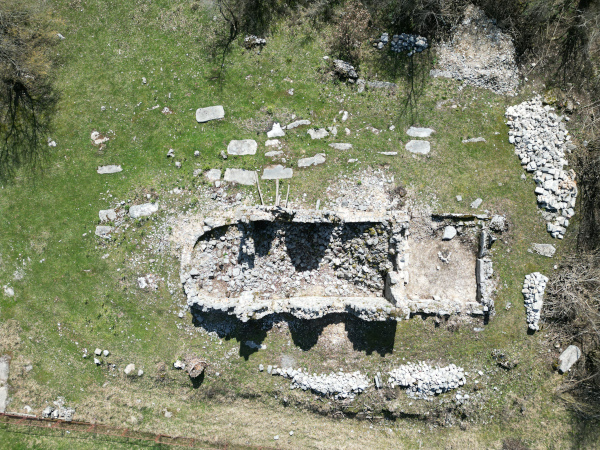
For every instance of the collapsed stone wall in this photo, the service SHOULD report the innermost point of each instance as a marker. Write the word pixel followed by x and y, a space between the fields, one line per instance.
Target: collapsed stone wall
pixel 267 260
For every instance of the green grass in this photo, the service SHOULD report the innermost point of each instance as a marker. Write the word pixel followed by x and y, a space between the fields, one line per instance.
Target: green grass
pixel 109 48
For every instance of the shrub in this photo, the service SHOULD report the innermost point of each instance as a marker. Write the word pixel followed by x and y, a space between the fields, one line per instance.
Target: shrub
pixel 350 32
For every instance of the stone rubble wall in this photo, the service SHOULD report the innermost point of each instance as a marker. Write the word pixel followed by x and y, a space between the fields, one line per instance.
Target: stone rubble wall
pixel 533 291
pixel 540 138
pixel 423 380
pixel 339 385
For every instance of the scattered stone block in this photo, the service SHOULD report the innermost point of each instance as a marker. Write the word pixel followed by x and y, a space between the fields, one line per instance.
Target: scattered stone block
pixel 277 173
pixel 273 154
pixel 341 146
pixel 567 358
pixel 242 147
pixel 109 169
pixel 449 233
pixel 476 203
pixel 543 249
pixel 146 209
pixel 210 113
pixel 319 158
pixel 418 147
pixel 103 231
pixel 276 131
pixel 213 175
pixel 420 132
pixel 318 134
pixel 8 291
pixel 129 369
pixel 107 215
pixel 240 176
pixel 477 139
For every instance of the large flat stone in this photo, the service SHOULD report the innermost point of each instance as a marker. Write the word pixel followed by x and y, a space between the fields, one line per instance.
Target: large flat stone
pixel 107 215
pixel 318 134
pixel 210 113
pixel 277 173
pixel 418 147
pixel 109 169
pixel 568 358
pixel 274 153
pixel 213 175
pixel 319 158
pixel 242 147
pixel 240 176
pixel 543 249
pixel 276 131
pixel 420 132
pixel 103 231
pixel 341 146
pixel 147 209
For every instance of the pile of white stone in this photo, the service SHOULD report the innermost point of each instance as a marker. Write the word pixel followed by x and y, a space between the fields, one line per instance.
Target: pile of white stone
pixel 338 385
pixel 533 291
pixel 423 380
pixel 540 138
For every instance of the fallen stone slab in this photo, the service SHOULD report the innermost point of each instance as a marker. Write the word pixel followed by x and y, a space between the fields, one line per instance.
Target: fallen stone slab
pixel 242 147
pixel 240 176
pixel 103 231
pixel 477 139
pixel 276 131
pixel 109 169
pixel 210 113
pixel 319 158
pixel 420 132
pixel 107 215
pixel 318 134
pixel 418 147
pixel 277 173
pixel 341 146
pixel 297 124
pixel 147 209
pixel 274 153
pixel 213 175
pixel 543 249
pixel 449 233
pixel 568 358
pixel 476 203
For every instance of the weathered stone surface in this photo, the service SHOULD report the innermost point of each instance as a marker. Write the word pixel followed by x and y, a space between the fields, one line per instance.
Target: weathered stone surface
pixel 449 233
pixel 210 113
pixel 274 153
pixel 345 70
pixel 109 169
pixel 277 173
pixel 297 123
pixel 340 146
pixel 107 215
pixel 319 158
pixel 318 134
pixel 242 147
pixel 388 153
pixel 129 369
pixel 543 249
pixel 273 143
pixel 213 175
pixel 103 231
pixel 569 357
pixel 477 139
pixel 240 176
pixel 419 147
pixel 276 131
pixel 420 132
pixel 476 203
pixel 146 209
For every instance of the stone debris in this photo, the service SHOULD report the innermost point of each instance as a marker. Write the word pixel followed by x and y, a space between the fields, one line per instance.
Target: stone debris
pixel 419 147
pixel 129 369
pixel 98 352
pixel 276 131
pixel 146 209
pixel 498 223
pixel 479 54
pixel 251 41
pixel 318 134
pixel 567 358
pixel 97 361
pixel 179 365
pixel 533 291
pixel 422 380
pixel 109 169
pixel 210 113
pixel 541 138
pixel 107 215
pixel 60 412
pixel 297 123
pixel 341 146
pixel 344 70
pixel 410 43
pixel 242 147
pixel 103 231
pixel 471 140
pixel 8 291
pixel 98 139
pixel 449 233
pixel 196 366
pixel 171 153
pixel 106 353
pixel 344 115
pixel 420 132
pixel 213 175
pixel 338 385
pixel 240 176
pixel 476 203
pixel 542 249
pixel 277 173
pixel 319 158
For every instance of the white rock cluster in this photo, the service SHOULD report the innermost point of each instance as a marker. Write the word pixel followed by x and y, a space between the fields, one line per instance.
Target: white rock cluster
pixel 423 380
pixel 533 291
pixel 540 138
pixel 339 385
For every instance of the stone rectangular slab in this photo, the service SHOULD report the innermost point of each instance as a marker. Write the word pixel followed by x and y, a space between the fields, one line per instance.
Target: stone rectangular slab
pixel 543 249
pixel 146 209
pixel 418 147
pixel 213 175
pixel 109 169
pixel 242 147
pixel 240 176
pixel 341 146
pixel 210 113
pixel 319 158
pixel 420 132
pixel 297 123
pixel 277 173
pixel 568 358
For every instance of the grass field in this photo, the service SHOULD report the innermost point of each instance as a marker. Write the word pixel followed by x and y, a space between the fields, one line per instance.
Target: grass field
pixel 69 297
